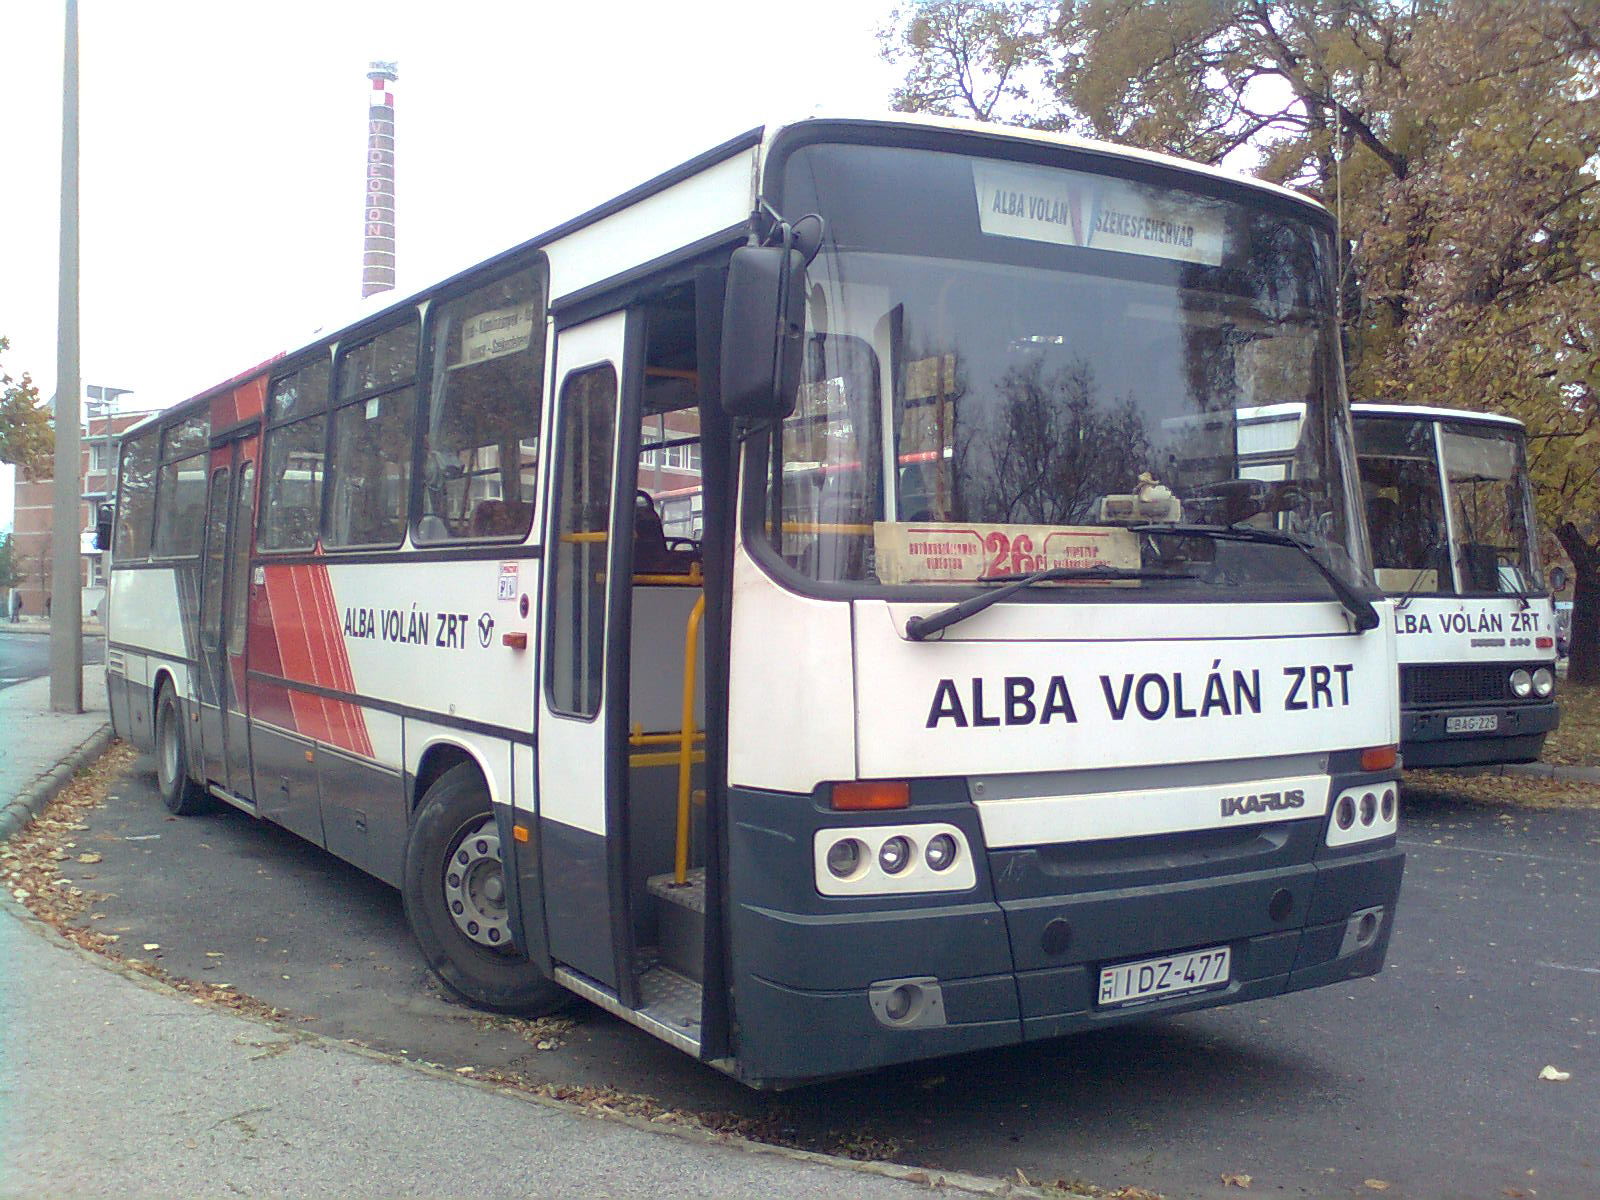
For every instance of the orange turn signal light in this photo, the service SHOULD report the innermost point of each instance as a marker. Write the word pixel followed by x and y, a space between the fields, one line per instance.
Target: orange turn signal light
pixel 517 641
pixel 1378 758
pixel 519 833
pixel 871 794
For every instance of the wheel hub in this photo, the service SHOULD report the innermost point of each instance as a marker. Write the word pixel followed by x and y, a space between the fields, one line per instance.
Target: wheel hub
pixel 475 887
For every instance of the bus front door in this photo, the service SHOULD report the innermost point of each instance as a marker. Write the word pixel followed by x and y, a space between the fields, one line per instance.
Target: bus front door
pixel 582 735
pixel 224 596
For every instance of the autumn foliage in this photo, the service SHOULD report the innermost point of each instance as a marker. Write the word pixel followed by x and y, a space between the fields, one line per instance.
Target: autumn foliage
pixel 26 439
pixel 1457 140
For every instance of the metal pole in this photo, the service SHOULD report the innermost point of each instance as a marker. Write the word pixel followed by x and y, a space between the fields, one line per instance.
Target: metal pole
pixel 66 595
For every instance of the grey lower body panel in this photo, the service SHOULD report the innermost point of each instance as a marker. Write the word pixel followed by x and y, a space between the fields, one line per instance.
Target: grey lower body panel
pixel 1019 956
pixel 1518 736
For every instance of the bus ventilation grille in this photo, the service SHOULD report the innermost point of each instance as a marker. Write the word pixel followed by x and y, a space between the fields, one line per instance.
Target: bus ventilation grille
pixel 1455 684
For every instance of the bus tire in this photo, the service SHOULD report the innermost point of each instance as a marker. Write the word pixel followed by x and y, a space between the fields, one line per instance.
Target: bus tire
pixel 182 796
pixel 453 886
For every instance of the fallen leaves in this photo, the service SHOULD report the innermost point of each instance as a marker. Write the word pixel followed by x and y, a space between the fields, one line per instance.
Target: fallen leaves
pixel 1552 1075
pixel 1377 1185
pixel 1236 1180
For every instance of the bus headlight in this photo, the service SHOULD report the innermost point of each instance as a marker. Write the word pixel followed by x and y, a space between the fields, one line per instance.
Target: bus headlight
pixel 894 855
pixel 844 857
pixel 1544 682
pixel 941 852
pixel 1521 684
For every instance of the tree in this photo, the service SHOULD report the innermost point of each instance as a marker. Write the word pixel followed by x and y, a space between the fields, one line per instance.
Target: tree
pixel 1458 141
pixel 26 439
pixel 10 567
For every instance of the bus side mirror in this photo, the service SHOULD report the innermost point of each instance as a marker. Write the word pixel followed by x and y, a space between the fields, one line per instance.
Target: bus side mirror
pixel 762 320
pixel 102 528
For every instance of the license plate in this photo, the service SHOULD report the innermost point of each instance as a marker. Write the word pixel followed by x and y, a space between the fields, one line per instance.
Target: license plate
pixel 1487 724
pixel 1151 978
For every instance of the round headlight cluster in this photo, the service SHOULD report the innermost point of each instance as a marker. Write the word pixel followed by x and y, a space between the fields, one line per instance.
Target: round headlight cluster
pixel 1521 684
pixel 852 858
pixel 1544 682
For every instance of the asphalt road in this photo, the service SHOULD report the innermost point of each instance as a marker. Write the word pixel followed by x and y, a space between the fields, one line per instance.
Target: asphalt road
pixel 25 656
pixel 1425 1079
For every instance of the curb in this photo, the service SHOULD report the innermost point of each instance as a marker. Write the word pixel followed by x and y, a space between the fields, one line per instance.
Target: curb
pixel 22 808
pixel 1542 770
pixel 1537 770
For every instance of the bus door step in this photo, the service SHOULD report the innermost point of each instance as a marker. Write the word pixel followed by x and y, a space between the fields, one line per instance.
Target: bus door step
pixel 681 922
pixel 670 1000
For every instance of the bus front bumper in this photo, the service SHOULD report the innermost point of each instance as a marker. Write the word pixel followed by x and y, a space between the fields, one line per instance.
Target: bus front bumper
pixel 810 987
pixel 1427 739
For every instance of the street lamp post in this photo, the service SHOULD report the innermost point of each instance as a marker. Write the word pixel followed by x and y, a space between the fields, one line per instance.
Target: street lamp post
pixel 66 600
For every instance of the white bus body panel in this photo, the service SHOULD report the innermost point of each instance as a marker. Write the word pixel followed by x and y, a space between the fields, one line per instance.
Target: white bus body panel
pixel 145 612
pixel 1455 629
pixel 940 707
pixel 790 708
pixel 717 198
pixel 429 636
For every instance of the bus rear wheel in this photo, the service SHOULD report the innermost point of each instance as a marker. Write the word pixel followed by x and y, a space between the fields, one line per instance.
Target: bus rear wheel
pixel 182 796
pixel 456 901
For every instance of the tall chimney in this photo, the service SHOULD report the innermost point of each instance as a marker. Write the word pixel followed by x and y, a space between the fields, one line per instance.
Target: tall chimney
pixel 377 259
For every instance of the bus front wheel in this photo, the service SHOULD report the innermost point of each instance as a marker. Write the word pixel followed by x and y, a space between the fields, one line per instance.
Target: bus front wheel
pixel 456 900
pixel 182 796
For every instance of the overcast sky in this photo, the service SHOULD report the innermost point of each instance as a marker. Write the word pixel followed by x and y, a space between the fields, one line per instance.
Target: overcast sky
pixel 223 151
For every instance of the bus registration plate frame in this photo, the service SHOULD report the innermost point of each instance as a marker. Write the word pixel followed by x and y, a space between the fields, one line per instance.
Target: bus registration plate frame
pixel 1145 979
pixel 1489 723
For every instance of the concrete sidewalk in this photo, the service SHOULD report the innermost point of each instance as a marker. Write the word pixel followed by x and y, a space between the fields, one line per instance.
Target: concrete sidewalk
pixel 40 750
pixel 110 1084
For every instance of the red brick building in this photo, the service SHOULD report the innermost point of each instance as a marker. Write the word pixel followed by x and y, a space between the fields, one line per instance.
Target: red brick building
pixel 32 534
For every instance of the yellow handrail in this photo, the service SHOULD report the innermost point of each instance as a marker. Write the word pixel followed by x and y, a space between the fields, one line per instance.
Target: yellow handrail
pixel 686 736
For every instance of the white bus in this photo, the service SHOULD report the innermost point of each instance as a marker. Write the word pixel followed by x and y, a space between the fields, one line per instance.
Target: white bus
pixel 985 689
pixel 1451 520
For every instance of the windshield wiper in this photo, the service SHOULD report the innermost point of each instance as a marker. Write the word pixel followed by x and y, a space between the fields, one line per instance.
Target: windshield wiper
pixel 1357 605
pixel 921 628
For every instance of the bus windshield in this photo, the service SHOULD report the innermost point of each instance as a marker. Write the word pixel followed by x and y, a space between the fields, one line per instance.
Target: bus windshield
pixel 1449 506
pixel 1043 364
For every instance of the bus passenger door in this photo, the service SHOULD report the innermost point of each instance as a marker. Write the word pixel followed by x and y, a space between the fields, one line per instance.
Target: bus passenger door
pixel 224 583
pixel 580 740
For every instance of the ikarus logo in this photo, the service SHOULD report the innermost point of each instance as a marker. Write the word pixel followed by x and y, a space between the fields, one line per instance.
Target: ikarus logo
pixel 1258 802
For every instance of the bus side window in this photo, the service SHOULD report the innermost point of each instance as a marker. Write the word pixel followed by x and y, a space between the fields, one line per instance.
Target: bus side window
pixel 369 466
pixel 181 507
pixel 136 499
pixel 291 494
pixel 481 437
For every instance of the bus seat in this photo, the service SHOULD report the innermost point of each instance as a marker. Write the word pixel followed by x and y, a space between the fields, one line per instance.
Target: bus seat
pixel 432 528
pixel 499 518
pixel 652 555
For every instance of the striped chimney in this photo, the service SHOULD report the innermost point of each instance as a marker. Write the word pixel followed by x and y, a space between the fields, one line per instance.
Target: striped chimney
pixel 377 258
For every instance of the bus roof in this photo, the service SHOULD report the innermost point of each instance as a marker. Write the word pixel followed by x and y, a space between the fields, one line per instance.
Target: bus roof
pixel 1071 141
pixel 1422 413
